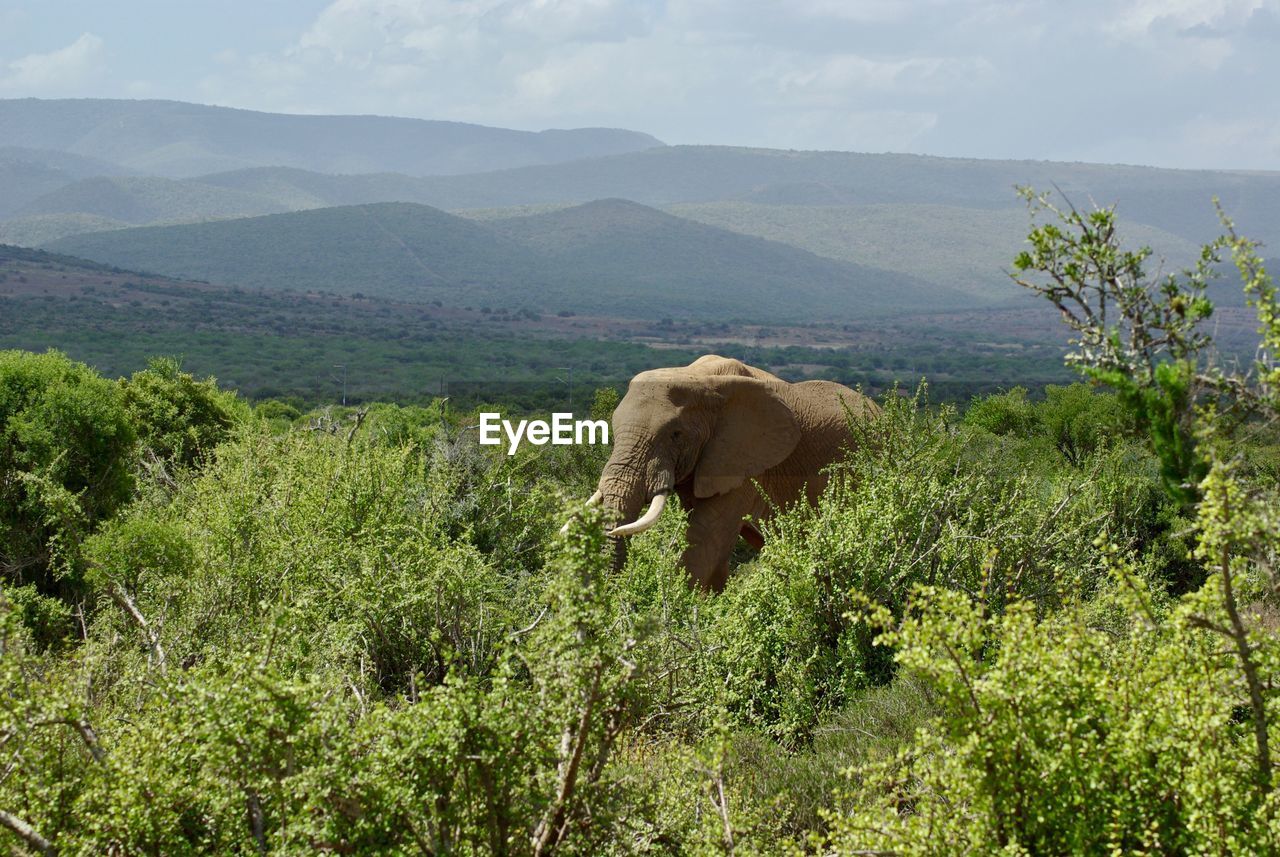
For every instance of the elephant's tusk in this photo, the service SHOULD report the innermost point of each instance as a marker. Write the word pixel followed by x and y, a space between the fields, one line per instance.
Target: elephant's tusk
pixel 591 501
pixel 647 520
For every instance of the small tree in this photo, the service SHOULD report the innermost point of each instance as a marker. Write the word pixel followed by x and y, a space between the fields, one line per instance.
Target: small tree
pixel 1144 335
pixel 1120 724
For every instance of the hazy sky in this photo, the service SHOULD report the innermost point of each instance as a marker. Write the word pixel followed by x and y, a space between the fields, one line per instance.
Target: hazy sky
pixel 1188 83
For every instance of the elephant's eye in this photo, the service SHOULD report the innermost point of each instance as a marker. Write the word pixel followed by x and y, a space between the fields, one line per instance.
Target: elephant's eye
pixel 675 434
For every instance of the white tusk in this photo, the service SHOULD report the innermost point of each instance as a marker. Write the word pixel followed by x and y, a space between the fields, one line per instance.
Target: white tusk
pixel 647 520
pixel 591 501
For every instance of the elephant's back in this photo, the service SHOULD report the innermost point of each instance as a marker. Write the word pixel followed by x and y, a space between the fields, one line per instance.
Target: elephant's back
pixel 821 408
pixel 828 402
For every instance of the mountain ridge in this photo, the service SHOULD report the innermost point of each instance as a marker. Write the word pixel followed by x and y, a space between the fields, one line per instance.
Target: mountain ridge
pixel 178 139
pixel 661 264
pixel 1175 201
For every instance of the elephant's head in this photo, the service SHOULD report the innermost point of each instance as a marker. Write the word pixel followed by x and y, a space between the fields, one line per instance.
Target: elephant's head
pixel 707 433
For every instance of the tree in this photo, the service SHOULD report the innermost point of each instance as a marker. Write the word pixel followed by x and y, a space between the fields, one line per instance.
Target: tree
pixel 1145 336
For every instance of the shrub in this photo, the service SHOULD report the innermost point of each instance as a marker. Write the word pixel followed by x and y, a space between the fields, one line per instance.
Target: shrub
pixel 1065 734
pixel 179 419
pixel 1080 421
pixel 66 455
pixel 1005 413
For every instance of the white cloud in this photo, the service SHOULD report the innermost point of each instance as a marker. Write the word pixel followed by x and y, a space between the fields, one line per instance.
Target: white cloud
pixel 1133 80
pixel 57 72
pixel 1144 16
pixel 562 21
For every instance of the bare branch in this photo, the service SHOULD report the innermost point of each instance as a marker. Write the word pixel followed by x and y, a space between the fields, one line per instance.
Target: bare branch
pixel 552 822
pixel 126 603
pixel 27 833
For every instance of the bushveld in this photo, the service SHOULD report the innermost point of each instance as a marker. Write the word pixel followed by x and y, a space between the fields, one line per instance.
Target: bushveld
pixel 1043 624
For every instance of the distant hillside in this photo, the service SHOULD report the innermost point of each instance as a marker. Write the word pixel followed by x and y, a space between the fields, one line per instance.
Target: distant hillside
pixel 612 256
pixel 967 248
pixel 27 174
pixel 142 200
pixel 272 343
pixel 22 258
pixel 146 201
pixel 393 250
pixel 301 189
pixel 709 271
pixel 802 193
pixel 177 139
pixel 38 229
pixel 1173 201
pixel 1178 201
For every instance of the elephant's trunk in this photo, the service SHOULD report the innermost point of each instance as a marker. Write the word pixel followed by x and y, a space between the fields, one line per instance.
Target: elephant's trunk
pixel 625 491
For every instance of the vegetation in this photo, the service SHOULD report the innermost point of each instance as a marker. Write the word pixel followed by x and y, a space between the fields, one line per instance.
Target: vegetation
pixel 37 229
pixel 290 345
pixel 147 199
pixel 964 247
pixel 64 465
pixel 666 264
pixel 1044 625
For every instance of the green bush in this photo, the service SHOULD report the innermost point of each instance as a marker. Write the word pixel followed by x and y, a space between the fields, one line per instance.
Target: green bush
pixel 1080 420
pixel 1066 734
pixel 66 456
pixel 1005 413
pixel 1076 419
pixel 179 419
pixel 49 621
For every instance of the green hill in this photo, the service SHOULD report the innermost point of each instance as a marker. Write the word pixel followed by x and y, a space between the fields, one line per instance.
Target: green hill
pixel 27 174
pixel 802 193
pixel 1177 202
pixel 392 250
pixel 676 266
pixel 144 200
pixel 612 257
pixel 175 139
pixel 967 248
pixel 299 189
pixel 37 229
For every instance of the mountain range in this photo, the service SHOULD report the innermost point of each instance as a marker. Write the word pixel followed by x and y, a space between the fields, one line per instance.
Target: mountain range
pixel 420 210
pixel 1175 200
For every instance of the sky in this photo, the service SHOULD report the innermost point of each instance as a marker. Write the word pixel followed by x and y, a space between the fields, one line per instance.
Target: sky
pixel 1177 83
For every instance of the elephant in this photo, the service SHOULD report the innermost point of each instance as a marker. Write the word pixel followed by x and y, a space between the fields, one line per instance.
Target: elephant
pixel 734 442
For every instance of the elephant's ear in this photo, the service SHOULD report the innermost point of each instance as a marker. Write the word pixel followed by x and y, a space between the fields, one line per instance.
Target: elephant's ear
pixel 754 431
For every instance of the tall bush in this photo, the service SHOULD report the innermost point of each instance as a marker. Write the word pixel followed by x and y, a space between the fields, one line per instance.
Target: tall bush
pixel 66 456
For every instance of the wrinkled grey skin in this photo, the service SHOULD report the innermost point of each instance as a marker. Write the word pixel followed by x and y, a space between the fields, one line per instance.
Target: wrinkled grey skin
pixel 710 432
